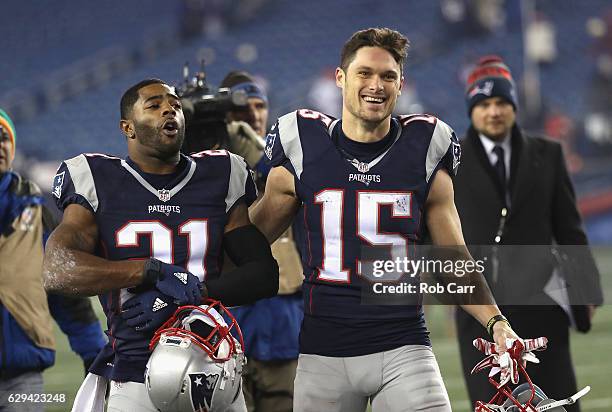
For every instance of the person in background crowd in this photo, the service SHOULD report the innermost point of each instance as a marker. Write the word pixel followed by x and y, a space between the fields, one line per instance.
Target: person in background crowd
pixel 513 189
pixel 27 342
pixel 270 326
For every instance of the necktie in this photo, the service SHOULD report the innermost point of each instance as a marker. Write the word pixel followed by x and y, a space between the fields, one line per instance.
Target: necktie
pixel 500 166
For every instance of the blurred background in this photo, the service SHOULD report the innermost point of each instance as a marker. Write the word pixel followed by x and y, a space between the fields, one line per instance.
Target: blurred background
pixel 66 63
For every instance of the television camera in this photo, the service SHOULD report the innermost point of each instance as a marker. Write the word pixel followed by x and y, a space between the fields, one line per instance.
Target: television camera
pixel 205 111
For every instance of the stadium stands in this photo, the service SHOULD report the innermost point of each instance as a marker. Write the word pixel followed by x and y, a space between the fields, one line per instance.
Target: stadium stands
pixel 69 64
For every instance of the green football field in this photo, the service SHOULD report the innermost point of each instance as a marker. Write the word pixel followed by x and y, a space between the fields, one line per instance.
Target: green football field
pixel 591 353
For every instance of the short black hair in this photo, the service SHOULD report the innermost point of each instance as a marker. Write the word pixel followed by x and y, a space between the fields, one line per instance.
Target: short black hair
pixel 236 77
pixel 131 95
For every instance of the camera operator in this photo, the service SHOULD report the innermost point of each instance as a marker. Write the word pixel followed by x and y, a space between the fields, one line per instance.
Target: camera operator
pixel 246 127
pixel 270 326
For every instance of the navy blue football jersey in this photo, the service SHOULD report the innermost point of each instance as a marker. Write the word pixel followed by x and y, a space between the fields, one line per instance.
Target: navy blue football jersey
pixel 178 219
pixel 349 205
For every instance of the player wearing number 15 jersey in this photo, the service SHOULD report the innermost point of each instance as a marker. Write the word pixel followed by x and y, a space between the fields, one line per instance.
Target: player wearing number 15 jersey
pixel 367 179
pixel 146 234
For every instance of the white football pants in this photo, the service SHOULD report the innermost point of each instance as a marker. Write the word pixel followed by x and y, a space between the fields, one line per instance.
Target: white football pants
pixel 133 397
pixel 405 379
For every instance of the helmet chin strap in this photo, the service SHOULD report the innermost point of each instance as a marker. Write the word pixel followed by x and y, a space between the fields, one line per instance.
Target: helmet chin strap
pixel 567 401
pixel 224 376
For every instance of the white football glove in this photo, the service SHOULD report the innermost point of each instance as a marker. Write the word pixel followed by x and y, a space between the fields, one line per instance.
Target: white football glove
pixel 244 141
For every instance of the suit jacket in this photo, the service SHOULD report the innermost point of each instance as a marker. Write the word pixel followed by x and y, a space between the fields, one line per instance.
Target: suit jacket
pixel 542 212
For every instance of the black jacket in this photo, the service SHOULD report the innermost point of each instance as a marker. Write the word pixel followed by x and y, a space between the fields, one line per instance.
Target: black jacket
pixel 542 211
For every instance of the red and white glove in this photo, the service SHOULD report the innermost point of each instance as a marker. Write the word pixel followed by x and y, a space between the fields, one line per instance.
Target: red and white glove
pixel 506 361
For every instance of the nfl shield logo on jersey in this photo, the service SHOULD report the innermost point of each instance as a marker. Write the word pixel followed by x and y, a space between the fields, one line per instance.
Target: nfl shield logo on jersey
pixel 361 166
pixel 164 195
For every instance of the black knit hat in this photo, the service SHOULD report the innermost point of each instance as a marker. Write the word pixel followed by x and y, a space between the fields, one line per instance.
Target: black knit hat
pixel 490 78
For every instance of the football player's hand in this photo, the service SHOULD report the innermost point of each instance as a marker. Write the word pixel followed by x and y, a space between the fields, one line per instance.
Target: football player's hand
pixel 501 332
pixel 505 359
pixel 504 338
pixel 148 310
pixel 244 141
pixel 184 287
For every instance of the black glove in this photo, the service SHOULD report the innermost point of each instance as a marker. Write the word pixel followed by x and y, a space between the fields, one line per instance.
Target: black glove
pixel 184 287
pixel 148 310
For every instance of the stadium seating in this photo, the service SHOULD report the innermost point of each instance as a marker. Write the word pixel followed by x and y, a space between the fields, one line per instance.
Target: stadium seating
pixel 66 65
pixel 293 42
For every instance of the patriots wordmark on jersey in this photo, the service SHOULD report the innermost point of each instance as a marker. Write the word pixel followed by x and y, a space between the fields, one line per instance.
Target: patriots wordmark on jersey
pixel 177 218
pixel 349 204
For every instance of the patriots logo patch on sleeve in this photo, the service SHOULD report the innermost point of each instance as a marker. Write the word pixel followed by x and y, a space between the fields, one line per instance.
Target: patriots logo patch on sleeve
pixel 270 145
pixel 270 139
pixel 456 154
pixel 58 182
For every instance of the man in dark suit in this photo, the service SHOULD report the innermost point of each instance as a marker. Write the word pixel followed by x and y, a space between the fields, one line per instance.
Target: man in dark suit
pixel 516 200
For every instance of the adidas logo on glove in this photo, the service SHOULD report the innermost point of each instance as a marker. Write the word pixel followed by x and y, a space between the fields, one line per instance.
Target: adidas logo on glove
pixel 181 276
pixel 159 304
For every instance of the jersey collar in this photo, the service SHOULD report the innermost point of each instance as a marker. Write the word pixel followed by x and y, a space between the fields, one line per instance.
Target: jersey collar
pixel 162 194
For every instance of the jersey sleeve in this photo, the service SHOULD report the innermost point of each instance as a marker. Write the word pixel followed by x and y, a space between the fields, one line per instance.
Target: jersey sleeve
pixel 74 183
pixel 241 185
pixel 274 151
pixel 284 142
pixel 444 151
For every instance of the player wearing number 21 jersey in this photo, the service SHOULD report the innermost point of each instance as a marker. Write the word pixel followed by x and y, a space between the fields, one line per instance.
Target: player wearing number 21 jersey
pixel 368 179
pixel 147 234
pixel 135 221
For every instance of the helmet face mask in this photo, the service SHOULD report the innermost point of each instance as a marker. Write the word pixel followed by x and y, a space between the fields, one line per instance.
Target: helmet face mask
pixel 196 361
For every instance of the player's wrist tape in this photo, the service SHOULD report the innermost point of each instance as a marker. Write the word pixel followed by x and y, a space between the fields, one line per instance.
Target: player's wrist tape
pixel 151 273
pixel 493 321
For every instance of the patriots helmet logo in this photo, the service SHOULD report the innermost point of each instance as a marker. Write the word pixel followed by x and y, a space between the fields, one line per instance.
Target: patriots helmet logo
pixel 202 389
pixel 58 182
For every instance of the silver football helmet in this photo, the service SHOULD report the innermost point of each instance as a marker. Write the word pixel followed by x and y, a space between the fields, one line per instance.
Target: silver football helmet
pixel 526 397
pixel 196 361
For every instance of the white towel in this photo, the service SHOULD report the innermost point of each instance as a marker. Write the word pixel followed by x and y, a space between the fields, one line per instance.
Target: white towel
pixel 91 394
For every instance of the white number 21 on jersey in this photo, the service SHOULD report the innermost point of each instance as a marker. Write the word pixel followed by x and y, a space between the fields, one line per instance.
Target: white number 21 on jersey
pixel 162 244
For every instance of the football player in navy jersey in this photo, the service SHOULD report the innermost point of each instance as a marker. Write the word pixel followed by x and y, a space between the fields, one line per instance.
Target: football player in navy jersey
pixel 367 179
pixel 146 234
